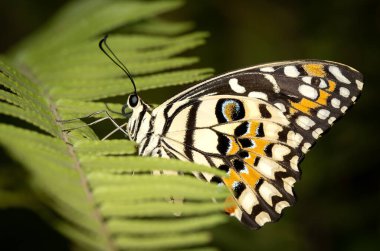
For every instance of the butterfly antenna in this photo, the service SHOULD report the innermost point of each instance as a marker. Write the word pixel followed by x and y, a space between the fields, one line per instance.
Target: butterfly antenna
pixel 111 55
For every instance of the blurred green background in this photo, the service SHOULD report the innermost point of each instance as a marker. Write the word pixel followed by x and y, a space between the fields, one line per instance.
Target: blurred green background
pixel 338 197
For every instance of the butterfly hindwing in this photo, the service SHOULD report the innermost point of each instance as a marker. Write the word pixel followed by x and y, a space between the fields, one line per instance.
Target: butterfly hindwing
pixel 239 135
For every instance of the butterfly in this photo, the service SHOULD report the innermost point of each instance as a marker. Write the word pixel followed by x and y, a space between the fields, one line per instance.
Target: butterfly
pixel 256 124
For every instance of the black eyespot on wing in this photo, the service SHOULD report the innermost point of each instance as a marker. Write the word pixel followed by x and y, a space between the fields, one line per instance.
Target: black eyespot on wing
pixel 227 110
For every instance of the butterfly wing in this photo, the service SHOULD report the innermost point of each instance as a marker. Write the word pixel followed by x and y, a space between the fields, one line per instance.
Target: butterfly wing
pixel 256 124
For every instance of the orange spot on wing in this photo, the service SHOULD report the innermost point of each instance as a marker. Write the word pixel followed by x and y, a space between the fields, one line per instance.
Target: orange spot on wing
pixel 315 70
pixel 234 147
pixel 304 105
pixel 323 96
pixel 251 177
pixel 252 129
pixel 230 205
pixel 332 86
pixel 292 111
pixel 251 159
pixel 259 147
pixel 231 178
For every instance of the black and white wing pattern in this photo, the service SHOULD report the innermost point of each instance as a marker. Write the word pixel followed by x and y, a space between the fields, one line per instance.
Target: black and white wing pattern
pixel 256 124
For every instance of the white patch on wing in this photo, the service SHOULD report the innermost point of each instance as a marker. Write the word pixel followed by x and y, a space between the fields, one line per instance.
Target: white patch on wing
pixel 248 200
pixel 338 74
pixel 291 71
pixel 308 91
pixel 233 82
pixel 269 167
pixel 322 84
pixel 259 95
pixel 305 122
pixel 331 120
pixel 294 163
pixel 306 147
pixel 267 69
pixel 335 102
pixel 323 114
pixel 281 205
pixel 294 139
pixel 317 132
pixel 279 151
pixel 276 87
pixel 271 130
pixel 344 92
pixel 359 84
pixel 288 184
pixel 267 191
pixel 307 80
pixel 280 106
pixel 262 218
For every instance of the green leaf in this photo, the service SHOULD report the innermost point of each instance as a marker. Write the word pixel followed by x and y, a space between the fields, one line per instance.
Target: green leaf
pixel 97 192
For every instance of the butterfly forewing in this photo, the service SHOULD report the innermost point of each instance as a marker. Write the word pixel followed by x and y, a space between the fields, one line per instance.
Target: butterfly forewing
pixel 255 124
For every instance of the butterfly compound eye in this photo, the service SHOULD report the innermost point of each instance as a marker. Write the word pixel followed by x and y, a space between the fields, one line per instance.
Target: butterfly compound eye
pixel 133 100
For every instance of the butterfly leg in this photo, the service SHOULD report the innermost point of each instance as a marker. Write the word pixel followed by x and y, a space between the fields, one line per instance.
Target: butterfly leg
pixel 118 128
pixel 108 116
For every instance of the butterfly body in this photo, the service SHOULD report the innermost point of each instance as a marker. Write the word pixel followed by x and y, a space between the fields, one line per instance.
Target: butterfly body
pixel 256 124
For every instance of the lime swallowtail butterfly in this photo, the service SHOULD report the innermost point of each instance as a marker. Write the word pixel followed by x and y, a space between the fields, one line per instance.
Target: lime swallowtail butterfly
pixel 256 124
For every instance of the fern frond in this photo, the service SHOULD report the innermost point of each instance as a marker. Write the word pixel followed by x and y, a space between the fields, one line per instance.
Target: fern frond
pixel 163 27
pixel 103 195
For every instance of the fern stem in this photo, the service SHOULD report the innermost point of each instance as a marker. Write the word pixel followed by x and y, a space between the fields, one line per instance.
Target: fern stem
pixel 77 166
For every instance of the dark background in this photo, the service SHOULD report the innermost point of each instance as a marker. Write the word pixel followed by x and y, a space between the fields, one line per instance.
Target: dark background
pixel 338 196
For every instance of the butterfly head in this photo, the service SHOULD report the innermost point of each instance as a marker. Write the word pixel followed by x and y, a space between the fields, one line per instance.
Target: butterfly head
pixel 133 101
pixel 140 112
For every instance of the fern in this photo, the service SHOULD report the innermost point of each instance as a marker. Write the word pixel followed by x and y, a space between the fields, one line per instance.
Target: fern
pixel 59 73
